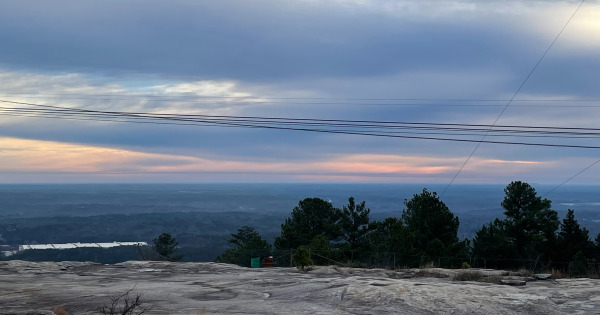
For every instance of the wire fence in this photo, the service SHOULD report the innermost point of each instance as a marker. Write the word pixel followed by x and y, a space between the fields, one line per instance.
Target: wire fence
pixel 373 259
pixel 398 260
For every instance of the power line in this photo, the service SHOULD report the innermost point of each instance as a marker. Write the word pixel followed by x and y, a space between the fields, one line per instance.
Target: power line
pixel 401 136
pixel 282 119
pixel 199 125
pixel 279 120
pixel 514 95
pixel 348 127
pixel 49 109
pixel 570 178
pixel 394 129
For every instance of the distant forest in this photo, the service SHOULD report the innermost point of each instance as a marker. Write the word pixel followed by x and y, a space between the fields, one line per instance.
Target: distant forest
pixel 201 236
pixel 529 235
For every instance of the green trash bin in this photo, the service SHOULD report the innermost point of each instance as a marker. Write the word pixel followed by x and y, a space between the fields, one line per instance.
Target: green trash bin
pixel 255 262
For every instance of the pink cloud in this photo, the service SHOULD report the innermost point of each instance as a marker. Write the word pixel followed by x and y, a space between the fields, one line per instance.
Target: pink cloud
pixel 47 157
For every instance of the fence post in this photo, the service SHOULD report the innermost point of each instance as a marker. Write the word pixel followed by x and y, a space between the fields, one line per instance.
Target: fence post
pixel 291 257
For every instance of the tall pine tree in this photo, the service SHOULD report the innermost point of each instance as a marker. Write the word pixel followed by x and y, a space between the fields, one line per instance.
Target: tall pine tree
pixel 572 238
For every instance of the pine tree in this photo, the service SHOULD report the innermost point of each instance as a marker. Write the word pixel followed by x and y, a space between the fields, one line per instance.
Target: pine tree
pixel 492 244
pixel 312 217
pixel 428 218
pixel 249 244
pixel 572 238
pixel 355 223
pixel 530 222
pixel 166 246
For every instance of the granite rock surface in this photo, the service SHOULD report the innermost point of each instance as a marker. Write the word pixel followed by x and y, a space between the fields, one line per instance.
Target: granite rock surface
pixel 212 288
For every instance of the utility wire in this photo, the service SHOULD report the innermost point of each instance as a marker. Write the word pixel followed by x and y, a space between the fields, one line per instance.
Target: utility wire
pixel 514 96
pixel 52 116
pixel 552 133
pixel 280 119
pixel 334 131
pixel 348 127
pixel 49 109
pixel 569 179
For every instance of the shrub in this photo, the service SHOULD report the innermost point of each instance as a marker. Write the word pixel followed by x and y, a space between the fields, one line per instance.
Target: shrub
pixel 465 265
pixel 127 303
pixel 428 265
pixel 468 276
pixel 302 258
pixel 321 250
pixel 578 265
pixel 526 272
pixel 556 274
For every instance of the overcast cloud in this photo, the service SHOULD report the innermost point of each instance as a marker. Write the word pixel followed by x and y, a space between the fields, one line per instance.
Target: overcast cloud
pixel 304 59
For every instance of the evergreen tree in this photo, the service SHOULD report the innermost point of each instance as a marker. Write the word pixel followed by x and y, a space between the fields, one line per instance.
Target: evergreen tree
pixel 578 265
pixel 244 235
pixel 389 236
pixel 428 218
pixel 491 246
pixel 312 217
pixel 526 236
pixel 320 250
pixel 436 248
pixel 572 238
pixel 166 246
pixel 355 223
pixel 597 246
pixel 248 244
pixel 530 223
pixel 391 244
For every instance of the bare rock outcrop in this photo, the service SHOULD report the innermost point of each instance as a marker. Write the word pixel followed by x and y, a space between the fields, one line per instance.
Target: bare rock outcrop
pixel 212 288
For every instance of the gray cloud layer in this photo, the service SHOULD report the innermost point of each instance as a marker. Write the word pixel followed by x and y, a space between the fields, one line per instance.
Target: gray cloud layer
pixel 248 40
pixel 378 49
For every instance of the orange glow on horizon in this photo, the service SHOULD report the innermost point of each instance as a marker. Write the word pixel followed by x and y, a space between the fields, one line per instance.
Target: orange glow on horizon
pixel 30 156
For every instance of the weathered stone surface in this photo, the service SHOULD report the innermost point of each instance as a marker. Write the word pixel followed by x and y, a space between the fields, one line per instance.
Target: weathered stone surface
pixel 513 282
pixel 518 278
pixel 543 276
pixel 210 288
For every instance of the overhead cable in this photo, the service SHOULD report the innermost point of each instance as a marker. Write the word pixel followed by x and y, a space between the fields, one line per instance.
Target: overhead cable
pixel 450 131
pixel 513 97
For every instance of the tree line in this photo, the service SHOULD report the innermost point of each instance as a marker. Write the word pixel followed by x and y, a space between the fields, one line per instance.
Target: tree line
pixel 529 235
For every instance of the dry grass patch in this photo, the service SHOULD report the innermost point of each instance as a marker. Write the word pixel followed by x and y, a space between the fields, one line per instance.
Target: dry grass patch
pixel 521 273
pixel 59 310
pixel 478 276
pixel 468 275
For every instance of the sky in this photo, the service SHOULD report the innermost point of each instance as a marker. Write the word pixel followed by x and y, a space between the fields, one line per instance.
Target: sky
pixel 412 61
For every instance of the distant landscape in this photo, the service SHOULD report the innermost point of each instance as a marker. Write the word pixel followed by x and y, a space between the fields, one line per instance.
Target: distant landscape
pixel 203 216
